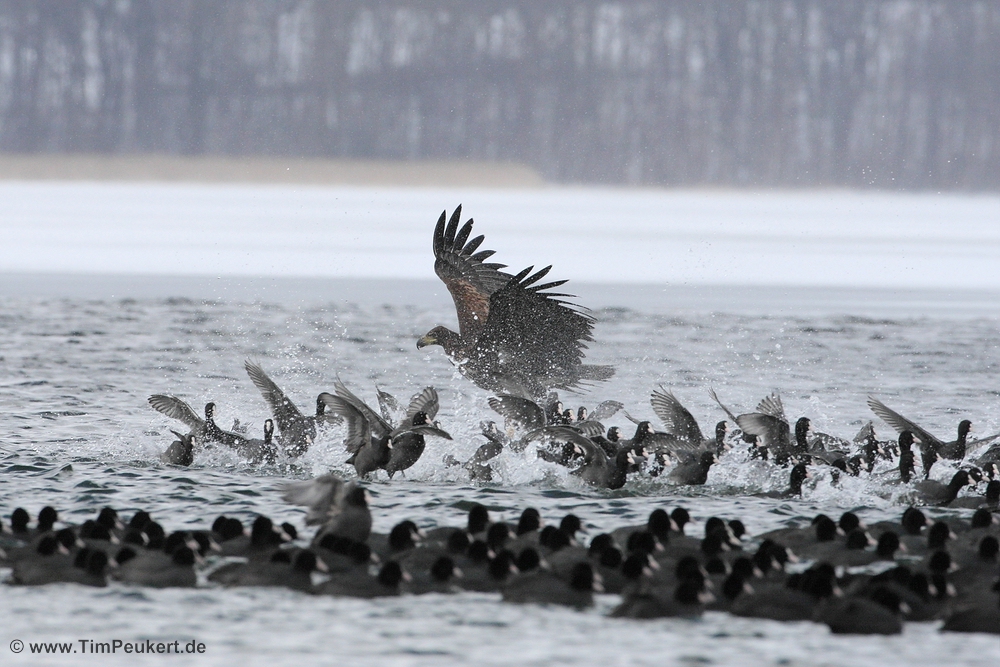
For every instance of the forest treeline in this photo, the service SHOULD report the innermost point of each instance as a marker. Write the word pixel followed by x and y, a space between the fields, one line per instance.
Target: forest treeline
pixel 884 93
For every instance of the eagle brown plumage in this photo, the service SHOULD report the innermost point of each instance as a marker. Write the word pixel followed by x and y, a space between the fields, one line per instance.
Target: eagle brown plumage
pixel 515 336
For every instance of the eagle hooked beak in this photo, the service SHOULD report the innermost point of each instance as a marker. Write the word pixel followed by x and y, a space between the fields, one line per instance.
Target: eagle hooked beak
pixel 425 341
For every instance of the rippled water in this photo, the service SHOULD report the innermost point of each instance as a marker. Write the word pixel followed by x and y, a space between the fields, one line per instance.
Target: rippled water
pixel 78 434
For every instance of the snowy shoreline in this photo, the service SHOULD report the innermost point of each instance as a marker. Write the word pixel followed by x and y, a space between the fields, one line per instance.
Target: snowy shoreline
pixel 821 238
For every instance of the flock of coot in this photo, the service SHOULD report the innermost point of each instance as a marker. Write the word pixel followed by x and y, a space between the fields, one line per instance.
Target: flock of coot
pixel 392 438
pixel 856 579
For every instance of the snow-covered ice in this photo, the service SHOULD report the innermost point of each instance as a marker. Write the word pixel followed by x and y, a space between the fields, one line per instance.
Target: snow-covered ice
pixel 677 237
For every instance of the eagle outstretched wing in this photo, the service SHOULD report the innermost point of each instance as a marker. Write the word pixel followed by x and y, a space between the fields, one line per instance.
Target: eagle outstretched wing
pixel 469 278
pixel 533 336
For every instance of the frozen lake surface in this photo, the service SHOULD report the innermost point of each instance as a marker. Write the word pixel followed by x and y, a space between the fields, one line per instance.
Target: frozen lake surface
pixel 827 238
pixel 80 354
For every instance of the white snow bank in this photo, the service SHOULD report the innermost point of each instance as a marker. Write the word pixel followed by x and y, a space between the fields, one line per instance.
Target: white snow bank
pixel 818 238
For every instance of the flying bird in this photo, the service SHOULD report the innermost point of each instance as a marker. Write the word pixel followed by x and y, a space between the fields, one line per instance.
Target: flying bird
pixel 298 431
pixel 341 507
pixel 515 336
pixel 931 447
pixel 597 469
pixel 204 430
pixel 768 425
pixel 372 440
pixel 681 424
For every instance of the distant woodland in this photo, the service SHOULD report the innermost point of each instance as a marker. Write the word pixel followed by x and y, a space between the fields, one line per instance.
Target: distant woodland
pixel 885 93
